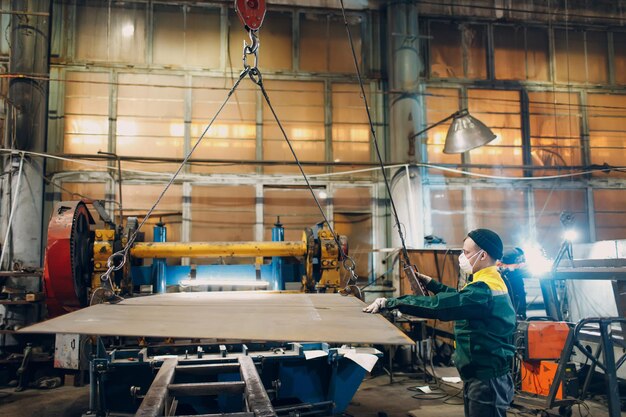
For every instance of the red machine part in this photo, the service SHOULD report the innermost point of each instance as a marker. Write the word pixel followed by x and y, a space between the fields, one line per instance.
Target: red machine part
pixel 546 339
pixel 537 378
pixel 251 13
pixel 67 263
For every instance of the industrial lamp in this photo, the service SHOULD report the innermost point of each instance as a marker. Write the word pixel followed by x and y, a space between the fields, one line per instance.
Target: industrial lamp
pixel 465 133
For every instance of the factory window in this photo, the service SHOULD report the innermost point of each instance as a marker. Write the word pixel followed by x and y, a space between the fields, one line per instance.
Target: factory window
pixel 581 56
pixel 549 204
pixel 619 49
pixel 150 119
pixel 502 210
pixel 186 36
pixel 447 215
pixel 520 53
pixel 351 130
pixel 232 136
pixel 440 103
pixel 458 50
pixel 352 215
pixel 222 214
pixel 72 191
pixel 555 121
pixel 500 111
pixel 5 23
pixel 86 122
pixel 300 108
pixel 597 57
pixel 295 207
pixel 111 31
pixel 324 44
pixel 607 122
pixel 139 198
pixel 275 51
pixel 610 214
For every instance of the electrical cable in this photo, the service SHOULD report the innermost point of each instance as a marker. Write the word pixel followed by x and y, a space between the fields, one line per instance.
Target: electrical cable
pixel 79 161
pixel 417 93
pixel 468 173
pixel 436 393
pixel 334 174
pixel 73 193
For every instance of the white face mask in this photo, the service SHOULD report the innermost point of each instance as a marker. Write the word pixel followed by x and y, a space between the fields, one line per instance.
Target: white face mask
pixel 465 264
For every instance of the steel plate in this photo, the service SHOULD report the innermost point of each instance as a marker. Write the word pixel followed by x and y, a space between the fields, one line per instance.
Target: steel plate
pixel 237 315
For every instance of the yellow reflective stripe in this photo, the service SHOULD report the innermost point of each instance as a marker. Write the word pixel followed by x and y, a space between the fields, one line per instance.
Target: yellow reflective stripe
pixel 492 278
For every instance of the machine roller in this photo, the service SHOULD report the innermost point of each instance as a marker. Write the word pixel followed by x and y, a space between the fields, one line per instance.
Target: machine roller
pixel 77 253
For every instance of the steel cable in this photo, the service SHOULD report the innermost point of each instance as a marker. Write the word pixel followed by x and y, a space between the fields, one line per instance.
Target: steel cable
pixel 410 270
pixel 124 252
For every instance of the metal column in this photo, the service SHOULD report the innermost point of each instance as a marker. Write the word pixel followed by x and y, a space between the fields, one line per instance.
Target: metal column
pixel 406 118
pixel 159 264
pixel 406 66
pixel 28 93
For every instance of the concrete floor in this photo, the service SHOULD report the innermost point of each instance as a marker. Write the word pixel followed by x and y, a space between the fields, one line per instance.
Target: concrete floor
pixel 59 402
pixel 378 395
pixel 375 397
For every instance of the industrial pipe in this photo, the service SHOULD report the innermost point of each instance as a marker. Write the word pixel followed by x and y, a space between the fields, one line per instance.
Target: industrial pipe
pixel 217 249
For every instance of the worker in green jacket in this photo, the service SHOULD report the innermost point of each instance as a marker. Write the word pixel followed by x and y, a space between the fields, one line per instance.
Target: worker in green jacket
pixel 484 324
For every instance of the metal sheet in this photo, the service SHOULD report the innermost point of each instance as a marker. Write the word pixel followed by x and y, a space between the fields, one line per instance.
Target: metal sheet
pixel 237 315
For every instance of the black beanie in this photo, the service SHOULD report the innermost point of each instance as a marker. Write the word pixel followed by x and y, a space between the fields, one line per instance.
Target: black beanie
pixel 513 256
pixel 489 241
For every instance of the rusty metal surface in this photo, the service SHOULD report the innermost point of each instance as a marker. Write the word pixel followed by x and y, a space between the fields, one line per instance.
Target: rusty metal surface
pixel 257 399
pixel 237 315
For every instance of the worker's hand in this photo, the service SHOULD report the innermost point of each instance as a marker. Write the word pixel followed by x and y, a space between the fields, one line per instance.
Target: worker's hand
pixel 424 278
pixel 378 305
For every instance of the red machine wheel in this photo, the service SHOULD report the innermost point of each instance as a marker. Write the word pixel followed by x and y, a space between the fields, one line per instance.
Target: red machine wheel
pixel 68 261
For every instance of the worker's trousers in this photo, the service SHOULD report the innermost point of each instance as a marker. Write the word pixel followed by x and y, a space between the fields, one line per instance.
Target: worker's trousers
pixel 490 398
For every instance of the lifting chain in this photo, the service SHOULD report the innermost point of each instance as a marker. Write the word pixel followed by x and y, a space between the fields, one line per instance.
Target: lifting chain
pixel 252 50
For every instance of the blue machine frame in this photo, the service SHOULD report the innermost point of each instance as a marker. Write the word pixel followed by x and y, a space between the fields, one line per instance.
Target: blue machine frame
pixel 323 386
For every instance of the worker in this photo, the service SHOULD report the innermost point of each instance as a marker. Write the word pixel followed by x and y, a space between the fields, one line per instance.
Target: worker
pixel 513 270
pixel 484 324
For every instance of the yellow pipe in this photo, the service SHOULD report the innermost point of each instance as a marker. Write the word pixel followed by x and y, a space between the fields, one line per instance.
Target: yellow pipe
pixel 216 249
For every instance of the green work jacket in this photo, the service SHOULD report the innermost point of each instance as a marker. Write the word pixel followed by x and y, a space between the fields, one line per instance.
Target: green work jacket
pixel 484 321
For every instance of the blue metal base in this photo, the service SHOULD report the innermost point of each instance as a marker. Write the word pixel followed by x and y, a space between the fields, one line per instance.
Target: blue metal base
pixel 290 380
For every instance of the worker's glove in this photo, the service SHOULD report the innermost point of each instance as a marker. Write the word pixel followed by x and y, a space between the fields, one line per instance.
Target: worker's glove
pixel 424 278
pixel 378 305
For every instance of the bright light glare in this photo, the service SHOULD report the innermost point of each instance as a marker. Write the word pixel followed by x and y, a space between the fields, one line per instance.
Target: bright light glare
pixel 128 30
pixel 322 195
pixel 223 283
pixel 537 262
pixel 570 235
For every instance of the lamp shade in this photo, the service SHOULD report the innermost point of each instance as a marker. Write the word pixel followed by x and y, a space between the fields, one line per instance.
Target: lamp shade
pixel 466 133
